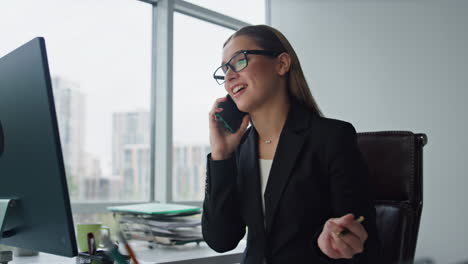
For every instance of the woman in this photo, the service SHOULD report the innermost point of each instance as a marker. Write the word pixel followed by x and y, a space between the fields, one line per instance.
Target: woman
pixel 294 178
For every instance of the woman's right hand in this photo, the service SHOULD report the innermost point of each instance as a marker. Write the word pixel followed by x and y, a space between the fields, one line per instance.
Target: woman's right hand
pixel 223 143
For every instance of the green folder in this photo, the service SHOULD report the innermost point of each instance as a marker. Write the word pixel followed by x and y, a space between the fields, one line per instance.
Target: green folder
pixel 155 209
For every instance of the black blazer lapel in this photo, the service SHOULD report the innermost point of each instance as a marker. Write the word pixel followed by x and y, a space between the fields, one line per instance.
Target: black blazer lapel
pixel 289 146
pixel 250 173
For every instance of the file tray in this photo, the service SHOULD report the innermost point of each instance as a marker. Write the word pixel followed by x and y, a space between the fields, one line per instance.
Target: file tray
pixel 155 209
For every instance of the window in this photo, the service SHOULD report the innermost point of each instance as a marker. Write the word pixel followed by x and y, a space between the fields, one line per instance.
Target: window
pixel 252 12
pixel 99 56
pixel 195 59
pixel 197 53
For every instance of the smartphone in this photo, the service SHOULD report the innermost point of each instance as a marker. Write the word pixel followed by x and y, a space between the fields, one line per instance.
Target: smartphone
pixel 231 117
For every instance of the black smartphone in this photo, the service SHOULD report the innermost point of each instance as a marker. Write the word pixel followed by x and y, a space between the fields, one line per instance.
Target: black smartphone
pixel 231 117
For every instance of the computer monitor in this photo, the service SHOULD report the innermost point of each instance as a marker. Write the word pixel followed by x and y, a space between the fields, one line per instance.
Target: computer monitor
pixel 35 208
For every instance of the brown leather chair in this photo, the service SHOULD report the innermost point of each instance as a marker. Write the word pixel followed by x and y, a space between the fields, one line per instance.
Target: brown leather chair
pixel 395 168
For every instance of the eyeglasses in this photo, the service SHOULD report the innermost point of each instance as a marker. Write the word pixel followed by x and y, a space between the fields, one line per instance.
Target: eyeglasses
pixel 238 62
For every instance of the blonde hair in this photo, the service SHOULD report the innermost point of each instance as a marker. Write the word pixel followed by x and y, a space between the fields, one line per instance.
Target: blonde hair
pixel 269 38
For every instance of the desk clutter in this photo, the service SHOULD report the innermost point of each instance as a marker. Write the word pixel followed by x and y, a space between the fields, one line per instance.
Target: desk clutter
pixel 109 254
pixel 100 257
pixel 158 223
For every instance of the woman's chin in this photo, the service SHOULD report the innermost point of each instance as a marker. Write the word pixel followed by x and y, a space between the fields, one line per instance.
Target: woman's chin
pixel 243 107
pixel 246 103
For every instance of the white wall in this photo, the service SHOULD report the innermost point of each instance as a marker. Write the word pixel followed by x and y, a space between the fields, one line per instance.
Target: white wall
pixel 396 65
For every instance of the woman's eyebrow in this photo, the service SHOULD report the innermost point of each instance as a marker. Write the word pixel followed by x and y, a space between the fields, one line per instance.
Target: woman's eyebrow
pixel 234 54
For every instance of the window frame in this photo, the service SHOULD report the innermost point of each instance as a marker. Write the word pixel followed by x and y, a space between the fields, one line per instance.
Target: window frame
pixel 161 112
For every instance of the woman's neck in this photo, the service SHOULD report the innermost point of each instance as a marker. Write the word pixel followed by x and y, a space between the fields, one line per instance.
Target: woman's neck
pixel 269 119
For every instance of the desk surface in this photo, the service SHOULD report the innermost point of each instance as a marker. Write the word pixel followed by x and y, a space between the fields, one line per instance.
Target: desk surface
pixel 190 253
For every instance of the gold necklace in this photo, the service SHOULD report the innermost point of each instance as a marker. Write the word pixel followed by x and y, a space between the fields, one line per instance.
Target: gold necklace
pixel 267 141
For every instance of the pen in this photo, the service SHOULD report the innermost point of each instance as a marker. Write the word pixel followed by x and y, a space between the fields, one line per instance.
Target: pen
pixel 128 248
pixel 91 244
pixel 346 231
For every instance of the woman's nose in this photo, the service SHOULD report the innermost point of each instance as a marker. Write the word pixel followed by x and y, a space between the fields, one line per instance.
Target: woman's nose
pixel 230 75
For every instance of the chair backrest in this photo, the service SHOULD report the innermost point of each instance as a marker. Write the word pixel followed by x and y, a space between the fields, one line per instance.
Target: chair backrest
pixel 395 159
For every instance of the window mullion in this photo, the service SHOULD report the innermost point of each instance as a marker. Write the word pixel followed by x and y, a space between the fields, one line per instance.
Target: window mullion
pixel 163 24
pixel 207 15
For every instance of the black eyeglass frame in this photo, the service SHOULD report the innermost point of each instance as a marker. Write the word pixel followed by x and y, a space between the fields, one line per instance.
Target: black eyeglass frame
pixel 270 53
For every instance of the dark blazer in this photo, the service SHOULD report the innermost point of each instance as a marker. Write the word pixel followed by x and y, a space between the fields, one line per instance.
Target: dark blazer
pixel 318 173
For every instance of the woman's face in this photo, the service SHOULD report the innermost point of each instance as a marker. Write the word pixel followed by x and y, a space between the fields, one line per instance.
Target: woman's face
pixel 259 79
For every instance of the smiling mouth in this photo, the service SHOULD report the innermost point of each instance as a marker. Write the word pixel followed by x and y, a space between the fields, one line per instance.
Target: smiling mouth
pixel 238 89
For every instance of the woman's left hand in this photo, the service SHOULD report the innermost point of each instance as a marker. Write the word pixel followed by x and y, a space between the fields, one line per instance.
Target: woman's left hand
pixel 345 246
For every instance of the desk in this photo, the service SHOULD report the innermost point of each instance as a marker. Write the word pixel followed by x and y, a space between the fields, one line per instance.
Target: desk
pixel 190 253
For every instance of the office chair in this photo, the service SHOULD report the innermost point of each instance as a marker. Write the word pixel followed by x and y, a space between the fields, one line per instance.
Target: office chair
pixel 395 159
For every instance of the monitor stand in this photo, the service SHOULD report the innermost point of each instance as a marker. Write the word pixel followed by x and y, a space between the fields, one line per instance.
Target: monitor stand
pixel 5 257
pixel 8 210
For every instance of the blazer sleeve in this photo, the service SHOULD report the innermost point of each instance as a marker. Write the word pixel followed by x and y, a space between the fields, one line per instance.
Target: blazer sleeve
pixel 222 223
pixel 350 191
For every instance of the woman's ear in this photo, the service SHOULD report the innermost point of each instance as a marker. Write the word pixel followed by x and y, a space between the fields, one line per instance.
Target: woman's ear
pixel 284 63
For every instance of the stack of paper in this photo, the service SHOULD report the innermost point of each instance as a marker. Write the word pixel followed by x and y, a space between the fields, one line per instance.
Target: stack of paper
pixel 169 224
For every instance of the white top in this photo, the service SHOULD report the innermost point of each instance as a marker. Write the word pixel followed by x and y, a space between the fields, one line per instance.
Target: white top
pixel 265 166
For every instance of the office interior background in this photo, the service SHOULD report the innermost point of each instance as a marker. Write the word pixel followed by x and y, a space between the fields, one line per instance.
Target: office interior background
pixel 381 65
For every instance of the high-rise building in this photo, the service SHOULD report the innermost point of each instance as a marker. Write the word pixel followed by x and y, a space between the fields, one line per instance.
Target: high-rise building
pixel 130 153
pixel 70 108
pixel 189 169
pixel 136 165
pixel 98 186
